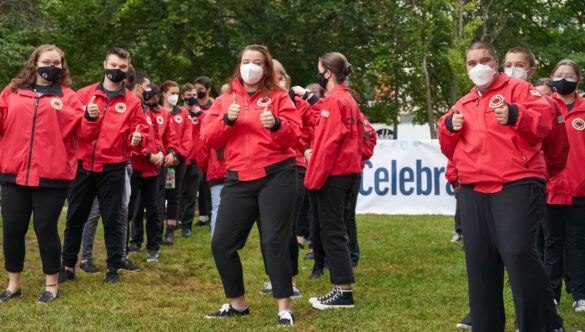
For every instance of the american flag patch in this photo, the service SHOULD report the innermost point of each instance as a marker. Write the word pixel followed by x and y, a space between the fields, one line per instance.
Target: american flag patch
pixel 535 93
pixel 324 113
pixel 560 119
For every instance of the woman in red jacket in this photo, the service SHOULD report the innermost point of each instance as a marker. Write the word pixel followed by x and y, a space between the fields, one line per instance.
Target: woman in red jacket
pixel 333 174
pixel 37 165
pixel 257 125
pixel 564 227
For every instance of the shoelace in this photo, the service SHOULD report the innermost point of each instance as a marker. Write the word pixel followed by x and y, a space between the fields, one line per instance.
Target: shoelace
pixel 333 298
pixel 286 315
pixel 224 308
pixel 331 294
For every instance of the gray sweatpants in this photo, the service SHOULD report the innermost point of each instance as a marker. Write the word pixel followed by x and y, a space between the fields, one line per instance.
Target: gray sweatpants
pixel 90 226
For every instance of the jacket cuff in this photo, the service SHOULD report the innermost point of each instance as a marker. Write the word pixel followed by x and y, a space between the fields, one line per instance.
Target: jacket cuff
pixel 171 150
pixel 449 123
pixel 455 184
pixel 512 115
pixel 313 100
pixel 277 124
pixel 148 155
pixel 228 122
pixel 89 118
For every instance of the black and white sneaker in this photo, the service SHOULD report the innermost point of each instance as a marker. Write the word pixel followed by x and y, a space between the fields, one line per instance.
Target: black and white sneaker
pixel 324 297
pixel 343 298
pixel 579 305
pixel 457 237
pixel 89 267
pixel 134 248
pixel 285 318
pixel 152 256
pixel 465 323
pixel 296 293
pixel 267 288
pixel 228 311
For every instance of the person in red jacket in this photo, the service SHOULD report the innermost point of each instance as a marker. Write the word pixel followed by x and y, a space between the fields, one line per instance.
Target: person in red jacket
pixel 257 125
pixel 179 122
pixel 38 165
pixel 102 164
pixel 494 137
pixel 333 173
pixel 564 228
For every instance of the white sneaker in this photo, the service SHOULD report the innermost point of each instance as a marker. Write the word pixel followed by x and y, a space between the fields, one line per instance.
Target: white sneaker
pixel 457 237
pixel 579 305
pixel 296 293
pixel 267 288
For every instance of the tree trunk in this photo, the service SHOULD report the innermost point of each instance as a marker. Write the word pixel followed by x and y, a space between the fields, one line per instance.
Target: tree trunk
pixel 430 114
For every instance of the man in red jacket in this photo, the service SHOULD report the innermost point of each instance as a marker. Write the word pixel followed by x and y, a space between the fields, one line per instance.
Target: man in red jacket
pixel 494 137
pixel 102 163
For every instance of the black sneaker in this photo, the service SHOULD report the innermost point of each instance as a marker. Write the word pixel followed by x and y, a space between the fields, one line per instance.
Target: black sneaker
pixel 170 235
pixel 66 275
pixel 317 272
pixel 343 298
pixel 112 278
pixel 309 255
pixel 128 266
pixel 7 295
pixel 324 297
pixel 47 297
pixel 89 267
pixel 301 246
pixel 152 256
pixel 134 248
pixel 201 223
pixel 186 232
pixel 465 323
pixel 286 318
pixel 227 311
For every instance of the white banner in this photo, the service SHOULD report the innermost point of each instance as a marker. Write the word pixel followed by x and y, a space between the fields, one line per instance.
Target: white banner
pixel 406 177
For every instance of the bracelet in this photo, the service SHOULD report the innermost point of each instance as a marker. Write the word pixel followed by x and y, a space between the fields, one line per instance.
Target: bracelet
pixel 306 95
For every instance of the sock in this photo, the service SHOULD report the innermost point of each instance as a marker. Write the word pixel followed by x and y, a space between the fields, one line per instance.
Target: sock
pixel 281 312
pixel 240 309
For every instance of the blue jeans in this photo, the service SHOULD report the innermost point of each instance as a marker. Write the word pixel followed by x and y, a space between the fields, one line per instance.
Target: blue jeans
pixel 215 199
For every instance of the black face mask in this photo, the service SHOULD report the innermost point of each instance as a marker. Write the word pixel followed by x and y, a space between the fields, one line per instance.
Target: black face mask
pixel 564 87
pixel 322 80
pixel 115 75
pixel 50 74
pixel 201 94
pixel 147 94
pixel 191 101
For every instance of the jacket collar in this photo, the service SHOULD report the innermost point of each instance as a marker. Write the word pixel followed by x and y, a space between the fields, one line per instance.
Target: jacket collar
pixel 53 90
pixel 176 110
pixel 579 102
pixel 121 92
pixel 473 95
pixel 339 88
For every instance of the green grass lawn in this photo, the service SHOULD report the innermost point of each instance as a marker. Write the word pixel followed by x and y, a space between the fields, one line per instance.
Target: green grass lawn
pixel 410 278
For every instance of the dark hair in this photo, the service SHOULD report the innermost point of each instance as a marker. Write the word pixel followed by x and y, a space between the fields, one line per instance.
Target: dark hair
pixel 155 88
pixel 544 81
pixel 268 82
pixel 119 52
pixel 139 79
pixel 167 85
pixel 481 45
pixel 187 87
pixel 203 80
pixel 131 75
pixel 337 64
pixel 28 75
pixel 529 55
pixel 571 64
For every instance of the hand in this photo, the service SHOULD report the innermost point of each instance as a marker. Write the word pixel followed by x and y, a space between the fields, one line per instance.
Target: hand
pixel 171 160
pixel 234 110
pixel 93 109
pixel 157 159
pixel 197 109
pixel 308 153
pixel 136 137
pixel 457 120
pixel 299 91
pixel 267 118
pixel 456 189
pixel 502 113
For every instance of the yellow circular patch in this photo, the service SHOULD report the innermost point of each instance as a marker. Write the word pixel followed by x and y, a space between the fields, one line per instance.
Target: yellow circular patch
pixel 56 103
pixel 264 101
pixel 120 107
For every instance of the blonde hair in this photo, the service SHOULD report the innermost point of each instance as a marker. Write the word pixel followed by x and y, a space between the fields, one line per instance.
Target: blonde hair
pixel 278 68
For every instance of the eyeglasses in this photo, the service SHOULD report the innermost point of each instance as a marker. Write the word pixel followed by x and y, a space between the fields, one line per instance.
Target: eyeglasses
pixel 48 63
pixel 569 77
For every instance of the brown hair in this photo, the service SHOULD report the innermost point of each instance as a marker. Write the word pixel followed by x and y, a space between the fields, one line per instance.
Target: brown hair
pixel 28 74
pixel 187 87
pixel 337 64
pixel 278 68
pixel 481 45
pixel 119 52
pixel 167 85
pixel 544 81
pixel 268 82
pixel 571 64
pixel 529 55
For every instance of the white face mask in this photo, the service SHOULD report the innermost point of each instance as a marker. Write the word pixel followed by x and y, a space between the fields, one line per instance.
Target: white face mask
pixel 481 74
pixel 172 99
pixel 517 73
pixel 251 73
pixel 282 83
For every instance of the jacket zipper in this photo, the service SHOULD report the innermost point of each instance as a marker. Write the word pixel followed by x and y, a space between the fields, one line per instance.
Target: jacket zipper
pixel 32 137
pixel 247 152
pixel 96 140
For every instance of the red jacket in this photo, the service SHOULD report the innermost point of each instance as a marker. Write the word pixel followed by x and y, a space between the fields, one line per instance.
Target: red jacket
pixel 556 144
pixel 195 119
pixel 40 135
pixel 161 119
pixel 451 174
pixel 370 139
pixel 568 187
pixel 489 154
pixel 141 165
pixel 338 141
pixel 180 124
pixel 121 116
pixel 308 122
pixel 249 147
pixel 211 163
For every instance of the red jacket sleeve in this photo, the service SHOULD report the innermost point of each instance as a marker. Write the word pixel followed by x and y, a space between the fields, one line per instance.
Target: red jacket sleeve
pixel 214 130
pixel 451 172
pixel 534 116
pixel 288 133
pixel 556 144
pixel 3 107
pixel 448 139
pixel 170 138
pixel 202 156
pixel 369 138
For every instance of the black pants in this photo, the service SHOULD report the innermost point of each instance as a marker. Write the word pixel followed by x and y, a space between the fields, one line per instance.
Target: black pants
pixel 500 232
pixel 316 243
pixel 270 201
pixel 190 186
pixel 303 222
pixel 204 197
pixel 174 195
pixel 45 204
pixel 564 231
pixel 109 187
pixel 458 227
pixel 354 247
pixel 145 195
pixel 332 201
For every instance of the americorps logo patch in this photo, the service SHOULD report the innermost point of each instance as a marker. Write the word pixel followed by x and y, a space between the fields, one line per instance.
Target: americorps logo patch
pixel 120 107
pixel 579 124
pixel 264 101
pixel 497 101
pixel 56 103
